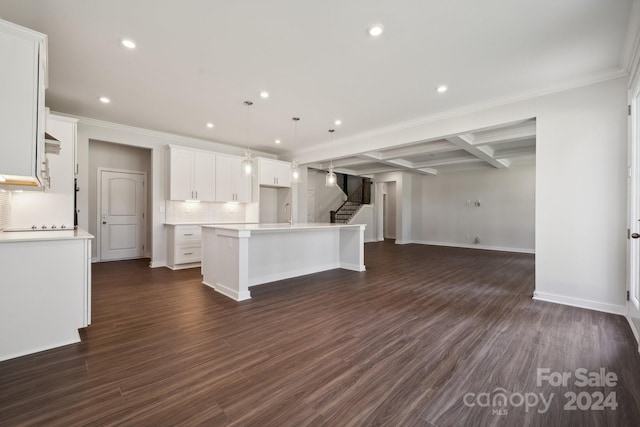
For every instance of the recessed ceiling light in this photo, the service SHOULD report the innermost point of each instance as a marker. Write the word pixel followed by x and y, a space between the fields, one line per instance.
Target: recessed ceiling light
pixel 376 30
pixel 264 94
pixel 210 125
pixel 104 100
pixel 442 89
pixel 128 43
pixel 277 141
pixel 338 122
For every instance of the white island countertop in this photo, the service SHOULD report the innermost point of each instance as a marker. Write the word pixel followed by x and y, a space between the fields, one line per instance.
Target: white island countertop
pixel 34 236
pixel 283 226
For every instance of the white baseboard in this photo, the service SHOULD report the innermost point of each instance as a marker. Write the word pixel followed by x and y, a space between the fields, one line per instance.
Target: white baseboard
pixel 353 267
pixel 581 303
pixel 74 340
pixel 156 264
pixel 238 296
pixel 635 331
pixel 474 246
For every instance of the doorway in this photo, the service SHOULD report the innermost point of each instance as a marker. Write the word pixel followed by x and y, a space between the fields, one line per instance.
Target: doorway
pixel 389 210
pixel 122 228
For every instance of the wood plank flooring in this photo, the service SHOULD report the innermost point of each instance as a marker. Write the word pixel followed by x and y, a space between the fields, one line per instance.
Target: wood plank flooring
pixel 401 344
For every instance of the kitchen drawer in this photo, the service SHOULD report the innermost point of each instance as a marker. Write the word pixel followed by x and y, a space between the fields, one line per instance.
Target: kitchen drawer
pixel 188 233
pixel 187 253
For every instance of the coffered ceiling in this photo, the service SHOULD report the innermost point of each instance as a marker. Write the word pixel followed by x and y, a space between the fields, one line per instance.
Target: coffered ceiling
pixel 196 62
pixel 498 147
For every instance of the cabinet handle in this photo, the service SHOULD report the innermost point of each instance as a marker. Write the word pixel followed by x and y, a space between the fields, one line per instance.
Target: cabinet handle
pixel 196 195
pixel 188 253
pixel 188 234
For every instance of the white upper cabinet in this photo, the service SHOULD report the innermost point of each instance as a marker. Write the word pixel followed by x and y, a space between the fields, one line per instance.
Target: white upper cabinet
pixel 232 185
pixel 191 174
pixel 274 173
pixel 62 165
pixel 22 112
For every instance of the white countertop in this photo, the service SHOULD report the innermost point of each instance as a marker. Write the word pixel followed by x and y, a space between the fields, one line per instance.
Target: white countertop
pixel 31 236
pixel 282 226
pixel 205 222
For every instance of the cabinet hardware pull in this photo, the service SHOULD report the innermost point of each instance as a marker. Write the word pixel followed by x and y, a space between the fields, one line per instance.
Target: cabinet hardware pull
pixel 189 234
pixel 188 253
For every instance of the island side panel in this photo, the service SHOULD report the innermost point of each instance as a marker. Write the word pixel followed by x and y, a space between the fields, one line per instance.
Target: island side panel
pixel 352 248
pixel 281 254
pixel 224 262
pixel 42 295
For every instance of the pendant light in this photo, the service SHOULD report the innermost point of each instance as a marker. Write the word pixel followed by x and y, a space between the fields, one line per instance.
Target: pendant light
pixel 295 168
pixel 331 180
pixel 247 163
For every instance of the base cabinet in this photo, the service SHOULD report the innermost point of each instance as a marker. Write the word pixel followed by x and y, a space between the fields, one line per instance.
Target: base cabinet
pixel 184 246
pixel 45 293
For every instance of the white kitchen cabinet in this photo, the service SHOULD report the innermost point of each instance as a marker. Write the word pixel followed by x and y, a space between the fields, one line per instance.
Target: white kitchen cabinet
pixel 191 174
pixel 184 246
pixel 22 111
pixel 232 185
pixel 274 173
pixel 62 165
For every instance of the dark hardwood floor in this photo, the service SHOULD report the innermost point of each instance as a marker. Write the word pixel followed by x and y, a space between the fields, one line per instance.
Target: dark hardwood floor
pixel 427 336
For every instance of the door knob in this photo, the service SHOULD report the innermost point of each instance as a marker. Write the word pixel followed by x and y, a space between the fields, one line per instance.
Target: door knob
pixel 104 222
pixel 635 236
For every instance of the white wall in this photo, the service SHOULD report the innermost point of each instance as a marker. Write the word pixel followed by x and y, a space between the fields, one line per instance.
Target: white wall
pixel 327 198
pixel 366 216
pixel 389 209
pixel 445 211
pixel 403 203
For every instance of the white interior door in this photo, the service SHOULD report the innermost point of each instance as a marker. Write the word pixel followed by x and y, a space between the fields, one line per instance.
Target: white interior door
pixel 633 303
pixel 122 223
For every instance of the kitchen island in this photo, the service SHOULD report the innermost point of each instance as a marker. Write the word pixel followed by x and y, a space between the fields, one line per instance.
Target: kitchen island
pixel 235 257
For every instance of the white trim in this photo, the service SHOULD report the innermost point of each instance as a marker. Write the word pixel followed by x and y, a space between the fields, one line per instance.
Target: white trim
pixel 39 349
pixel 473 246
pixel 157 264
pixel 229 292
pixel 579 302
pixel 634 330
pixel 352 267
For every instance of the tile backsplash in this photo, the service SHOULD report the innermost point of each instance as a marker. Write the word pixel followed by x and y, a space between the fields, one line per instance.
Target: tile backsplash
pixel 180 211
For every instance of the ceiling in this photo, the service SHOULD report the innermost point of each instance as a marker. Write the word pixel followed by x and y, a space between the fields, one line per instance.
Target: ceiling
pixel 198 61
pixel 498 147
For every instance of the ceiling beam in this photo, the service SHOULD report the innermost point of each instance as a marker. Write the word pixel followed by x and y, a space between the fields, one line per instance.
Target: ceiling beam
pixel 444 162
pixel 464 142
pixel 502 136
pixel 428 148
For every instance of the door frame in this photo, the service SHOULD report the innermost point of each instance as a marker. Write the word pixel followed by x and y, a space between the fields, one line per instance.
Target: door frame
pixel 98 241
pixel 633 211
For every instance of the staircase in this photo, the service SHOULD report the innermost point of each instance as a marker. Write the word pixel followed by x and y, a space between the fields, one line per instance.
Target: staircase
pixel 345 213
pixel 358 197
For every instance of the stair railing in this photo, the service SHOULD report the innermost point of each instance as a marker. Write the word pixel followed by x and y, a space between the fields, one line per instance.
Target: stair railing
pixel 359 191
